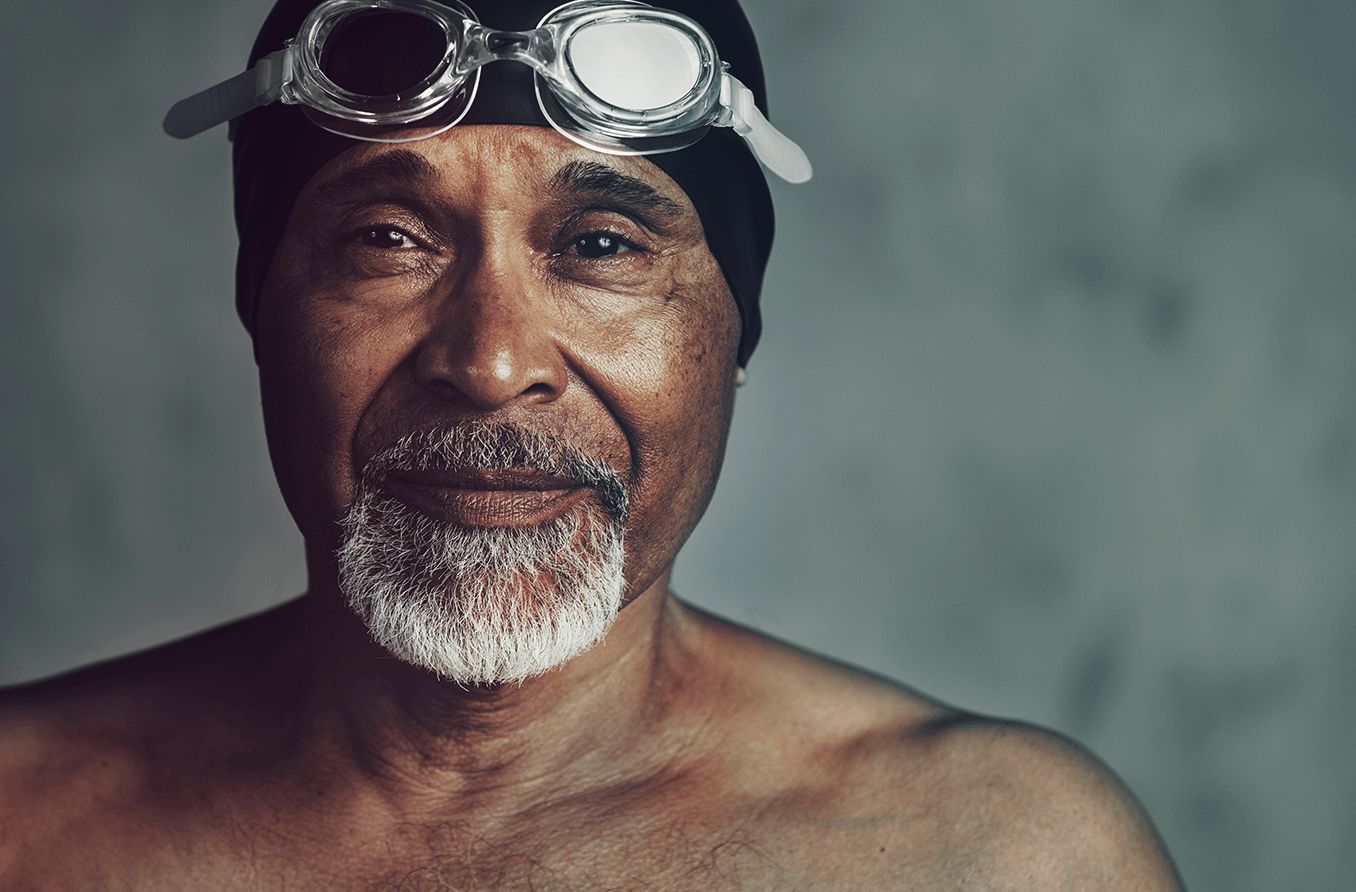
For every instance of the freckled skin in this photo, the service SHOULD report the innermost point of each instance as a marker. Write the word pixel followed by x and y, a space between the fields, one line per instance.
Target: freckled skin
pixel 289 751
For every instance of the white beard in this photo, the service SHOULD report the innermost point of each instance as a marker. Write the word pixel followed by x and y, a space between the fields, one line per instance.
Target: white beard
pixel 483 605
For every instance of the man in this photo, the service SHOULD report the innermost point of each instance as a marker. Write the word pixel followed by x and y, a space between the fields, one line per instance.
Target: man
pixel 498 365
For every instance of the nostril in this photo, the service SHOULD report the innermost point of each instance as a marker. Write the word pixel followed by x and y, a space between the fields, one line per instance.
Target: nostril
pixel 540 388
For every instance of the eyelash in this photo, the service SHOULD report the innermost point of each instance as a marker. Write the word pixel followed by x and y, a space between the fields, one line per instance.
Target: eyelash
pixel 626 244
pixel 362 233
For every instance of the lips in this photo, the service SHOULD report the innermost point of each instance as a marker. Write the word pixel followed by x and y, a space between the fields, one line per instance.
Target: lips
pixel 483 497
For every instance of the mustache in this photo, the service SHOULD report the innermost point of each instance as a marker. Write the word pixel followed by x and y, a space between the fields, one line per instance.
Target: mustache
pixel 498 445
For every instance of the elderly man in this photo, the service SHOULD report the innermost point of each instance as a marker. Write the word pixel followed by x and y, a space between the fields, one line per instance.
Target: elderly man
pixel 500 314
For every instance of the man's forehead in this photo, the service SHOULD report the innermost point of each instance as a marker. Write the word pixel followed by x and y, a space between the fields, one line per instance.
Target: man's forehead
pixel 480 161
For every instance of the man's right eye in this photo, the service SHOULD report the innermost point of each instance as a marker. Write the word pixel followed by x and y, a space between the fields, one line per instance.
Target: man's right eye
pixel 379 250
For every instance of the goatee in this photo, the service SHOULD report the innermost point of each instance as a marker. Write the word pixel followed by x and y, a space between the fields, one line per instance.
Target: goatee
pixel 484 605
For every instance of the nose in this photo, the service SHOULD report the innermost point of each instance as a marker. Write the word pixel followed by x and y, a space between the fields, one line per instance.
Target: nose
pixel 491 341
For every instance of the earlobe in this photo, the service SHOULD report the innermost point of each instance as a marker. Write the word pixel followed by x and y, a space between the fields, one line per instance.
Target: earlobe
pixel 741 376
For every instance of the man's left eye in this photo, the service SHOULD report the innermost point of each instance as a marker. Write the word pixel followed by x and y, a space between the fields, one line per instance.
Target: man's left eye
pixel 595 245
pixel 387 237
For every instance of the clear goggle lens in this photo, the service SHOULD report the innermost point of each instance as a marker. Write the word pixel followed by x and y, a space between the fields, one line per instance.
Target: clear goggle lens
pixel 351 56
pixel 376 94
pixel 639 66
pixel 636 85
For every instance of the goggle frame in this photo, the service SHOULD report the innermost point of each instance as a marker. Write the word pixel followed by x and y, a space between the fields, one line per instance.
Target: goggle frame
pixel 295 75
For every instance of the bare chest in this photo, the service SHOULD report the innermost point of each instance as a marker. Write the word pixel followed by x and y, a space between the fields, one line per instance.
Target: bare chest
pixel 763 852
pixel 759 852
pixel 554 856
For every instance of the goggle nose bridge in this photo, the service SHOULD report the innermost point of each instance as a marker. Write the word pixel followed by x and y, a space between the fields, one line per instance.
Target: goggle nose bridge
pixel 482 45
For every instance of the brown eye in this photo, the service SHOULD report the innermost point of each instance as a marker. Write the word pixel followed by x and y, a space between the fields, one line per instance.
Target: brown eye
pixel 596 245
pixel 386 237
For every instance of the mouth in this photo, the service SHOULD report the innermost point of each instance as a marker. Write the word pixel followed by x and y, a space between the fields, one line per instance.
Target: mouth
pixel 483 497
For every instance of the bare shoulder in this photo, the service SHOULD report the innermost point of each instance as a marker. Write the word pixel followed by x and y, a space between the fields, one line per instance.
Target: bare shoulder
pixel 82 753
pixel 906 791
pixel 68 755
pixel 1034 809
pixel 59 734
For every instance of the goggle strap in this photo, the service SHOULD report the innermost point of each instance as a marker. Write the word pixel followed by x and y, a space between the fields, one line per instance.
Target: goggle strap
pixel 772 147
pixel 261 85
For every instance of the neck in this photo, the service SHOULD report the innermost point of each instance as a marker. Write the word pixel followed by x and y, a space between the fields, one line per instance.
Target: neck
pixel 416 738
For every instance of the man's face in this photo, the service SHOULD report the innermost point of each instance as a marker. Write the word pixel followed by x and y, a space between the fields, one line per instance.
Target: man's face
pixel 505 275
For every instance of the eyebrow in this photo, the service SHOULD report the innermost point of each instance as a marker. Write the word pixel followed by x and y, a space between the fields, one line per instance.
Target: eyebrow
pixel 400 167
pixel 590 179
pixel 578 179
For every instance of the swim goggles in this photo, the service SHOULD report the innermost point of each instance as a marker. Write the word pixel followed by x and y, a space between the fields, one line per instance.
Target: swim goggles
pixel 618 76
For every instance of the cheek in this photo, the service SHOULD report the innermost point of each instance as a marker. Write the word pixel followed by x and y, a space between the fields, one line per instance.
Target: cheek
pixel 681 440
pixel 667 375
pixel 319 367
pixel 660 351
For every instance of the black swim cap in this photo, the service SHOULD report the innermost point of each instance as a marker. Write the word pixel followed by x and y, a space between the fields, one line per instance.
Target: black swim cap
pixel 277 150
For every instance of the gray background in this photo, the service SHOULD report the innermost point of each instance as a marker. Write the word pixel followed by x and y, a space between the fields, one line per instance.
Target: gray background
pixel 1052 417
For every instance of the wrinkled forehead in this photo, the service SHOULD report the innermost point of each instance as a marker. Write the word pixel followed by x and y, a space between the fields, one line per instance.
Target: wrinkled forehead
pixel 489 165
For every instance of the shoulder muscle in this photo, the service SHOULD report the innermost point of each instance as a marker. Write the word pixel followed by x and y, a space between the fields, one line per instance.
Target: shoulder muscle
pixel 1045 813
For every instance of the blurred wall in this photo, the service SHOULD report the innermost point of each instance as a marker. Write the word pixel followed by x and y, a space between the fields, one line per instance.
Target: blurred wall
pixel 1052 418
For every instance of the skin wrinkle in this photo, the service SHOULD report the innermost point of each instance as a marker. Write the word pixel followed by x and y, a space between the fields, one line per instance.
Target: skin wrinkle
pixel 400 172
pixel 605 798
pixel 592 179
